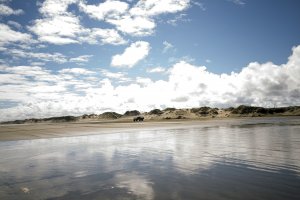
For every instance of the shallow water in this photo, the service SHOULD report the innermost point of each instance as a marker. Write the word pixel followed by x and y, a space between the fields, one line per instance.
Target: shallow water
pixel 248 159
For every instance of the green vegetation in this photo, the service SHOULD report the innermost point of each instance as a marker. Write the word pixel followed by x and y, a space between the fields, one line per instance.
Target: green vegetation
pixel 132 113
pixel 156 112
pixel 169 109
pixel 203 111
pixel 110 115
pixel 242 109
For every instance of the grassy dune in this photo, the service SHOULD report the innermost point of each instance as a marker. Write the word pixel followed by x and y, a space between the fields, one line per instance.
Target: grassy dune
pixel 173 113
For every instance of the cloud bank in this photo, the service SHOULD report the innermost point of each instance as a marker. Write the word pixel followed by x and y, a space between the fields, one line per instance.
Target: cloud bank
pixel 38 92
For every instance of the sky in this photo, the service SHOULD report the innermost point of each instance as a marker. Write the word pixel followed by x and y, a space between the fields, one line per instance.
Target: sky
pixel 74 57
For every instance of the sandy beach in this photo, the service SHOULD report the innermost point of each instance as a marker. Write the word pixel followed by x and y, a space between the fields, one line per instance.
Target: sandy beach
pixel 54 130
pixel 68 129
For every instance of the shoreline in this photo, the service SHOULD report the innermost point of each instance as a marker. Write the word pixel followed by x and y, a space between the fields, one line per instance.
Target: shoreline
pixel 30 131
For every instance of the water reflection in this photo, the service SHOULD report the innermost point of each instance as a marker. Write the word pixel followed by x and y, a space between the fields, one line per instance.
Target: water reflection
pixel 241 161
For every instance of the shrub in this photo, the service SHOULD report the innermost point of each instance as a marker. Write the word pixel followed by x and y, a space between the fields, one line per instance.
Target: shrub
pixel 132 113
pixel 155 112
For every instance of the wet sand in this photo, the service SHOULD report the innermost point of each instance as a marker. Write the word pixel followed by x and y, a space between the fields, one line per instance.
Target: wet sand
pixel 253 158
pixel 55 130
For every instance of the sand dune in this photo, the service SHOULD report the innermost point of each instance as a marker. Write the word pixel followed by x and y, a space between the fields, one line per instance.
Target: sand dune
pixel 172 114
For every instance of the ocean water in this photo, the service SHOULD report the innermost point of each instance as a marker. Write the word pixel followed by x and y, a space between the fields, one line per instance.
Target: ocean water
pixel 247 159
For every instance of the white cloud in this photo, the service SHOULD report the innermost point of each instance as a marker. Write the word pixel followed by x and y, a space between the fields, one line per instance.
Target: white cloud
pixel 178 18
pixel 7 35
pixel 114 75
pixel 80 59
pixel 76 71
pixel 116 13
pixel 143 81
pixel 135 26
pixel 107 9
pixel 27 70
pixel 238 2
pixel 139 20
pixel 60 27
pixel 132 55
pixel 37 63
pixel 167 46
pixel 52 8
pixel 157 7
pixel 6 10
pixel 188 59
pixel 103 36
pixel 156 70
pixel 49 57
pixel 187 85
pixel 200 5
pixel 15 24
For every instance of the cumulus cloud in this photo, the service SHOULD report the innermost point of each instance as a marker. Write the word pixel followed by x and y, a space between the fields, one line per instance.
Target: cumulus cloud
pixel 6 10
pixel 7 35
pixel 157 7
pixel 60 27
pixel 132 55
pixel 42 93
pixel 113 75
pixel 51 8
pixel 106 9
pixel 135 26
pixel 81 59
pixel 139 20
pixel 156 70
pixel 103 36
pixel 15 24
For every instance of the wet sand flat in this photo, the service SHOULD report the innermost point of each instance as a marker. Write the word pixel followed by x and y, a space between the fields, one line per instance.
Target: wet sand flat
pixel 56 130
pixel 254 158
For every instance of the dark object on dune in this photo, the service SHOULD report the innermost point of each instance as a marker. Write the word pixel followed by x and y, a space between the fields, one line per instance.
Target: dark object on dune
pixel 132 113
pixel 155 112
pixel 138 119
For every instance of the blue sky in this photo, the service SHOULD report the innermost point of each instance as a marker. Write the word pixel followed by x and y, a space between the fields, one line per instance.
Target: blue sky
pixel 61 57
